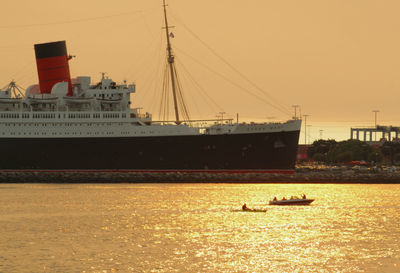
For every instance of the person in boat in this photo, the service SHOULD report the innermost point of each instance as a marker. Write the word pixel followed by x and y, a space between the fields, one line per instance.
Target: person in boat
pixel 304 196
pixel 244 207
pixel 275 199
pixel 284 198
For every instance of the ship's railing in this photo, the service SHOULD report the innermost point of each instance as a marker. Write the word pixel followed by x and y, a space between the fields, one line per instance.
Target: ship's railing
pixel 199 123
pixel 64 115
pixel 140 116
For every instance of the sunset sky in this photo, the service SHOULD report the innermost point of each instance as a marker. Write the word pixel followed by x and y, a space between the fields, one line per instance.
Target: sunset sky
pixel 338 59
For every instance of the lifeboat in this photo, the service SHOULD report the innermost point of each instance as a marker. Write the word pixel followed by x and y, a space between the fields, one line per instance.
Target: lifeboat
pixel 36 99
pixel 10 100
pixel 77 100
pixel 109 101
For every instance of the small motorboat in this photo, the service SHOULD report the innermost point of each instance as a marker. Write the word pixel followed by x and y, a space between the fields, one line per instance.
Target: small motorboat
pixel 249 210
pixel 254 210
pixel 246 209
pixel 293 201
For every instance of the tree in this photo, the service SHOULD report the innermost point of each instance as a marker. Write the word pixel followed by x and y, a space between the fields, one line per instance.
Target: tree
pixel 330 151
pixel 376 156
pixel 318 157
pixel 390 150
pixel 345 156
pixel 353 150
pixel 320 149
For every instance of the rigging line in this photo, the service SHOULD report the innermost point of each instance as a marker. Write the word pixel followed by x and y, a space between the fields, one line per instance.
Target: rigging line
pixel 5 87
pixel 164 98
pixel 153 36
pixel 237 85
pixel 137 66
pixel 26 78
pixel 156 87
pixel 73 21
pixel 232 67
pixel 181 94
pixel 154 45
pixel 166 90
pixel 20 71
pixel 155 71
pixel 17 47
pixel 181 98
pixel 161 105
pixel 192 99
pixel 284 109
pixel 199 87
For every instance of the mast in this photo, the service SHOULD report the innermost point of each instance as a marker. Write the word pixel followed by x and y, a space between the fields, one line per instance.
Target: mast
pixel 171 65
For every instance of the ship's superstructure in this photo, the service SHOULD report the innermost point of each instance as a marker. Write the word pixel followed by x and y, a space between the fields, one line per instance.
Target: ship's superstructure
pixel 67 124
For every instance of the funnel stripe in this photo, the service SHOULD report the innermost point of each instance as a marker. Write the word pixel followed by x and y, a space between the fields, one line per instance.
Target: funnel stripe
pixel 48 50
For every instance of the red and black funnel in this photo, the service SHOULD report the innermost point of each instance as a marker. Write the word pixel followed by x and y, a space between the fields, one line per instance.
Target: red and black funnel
pixel 52 65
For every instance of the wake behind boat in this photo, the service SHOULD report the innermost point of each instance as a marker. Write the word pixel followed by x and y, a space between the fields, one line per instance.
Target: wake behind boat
pixel 293 201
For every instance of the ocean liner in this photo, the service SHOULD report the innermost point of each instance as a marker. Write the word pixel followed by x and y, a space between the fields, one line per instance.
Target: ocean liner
pixel 71 124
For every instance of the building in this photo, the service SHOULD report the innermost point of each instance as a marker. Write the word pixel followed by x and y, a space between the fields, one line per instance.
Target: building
pixel 377 134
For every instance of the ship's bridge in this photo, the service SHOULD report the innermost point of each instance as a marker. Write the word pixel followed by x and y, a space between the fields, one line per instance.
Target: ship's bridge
pixel 105 88
pixel 107 93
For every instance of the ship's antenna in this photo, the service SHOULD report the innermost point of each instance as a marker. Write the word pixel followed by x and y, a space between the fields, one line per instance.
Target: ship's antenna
pixel 171 64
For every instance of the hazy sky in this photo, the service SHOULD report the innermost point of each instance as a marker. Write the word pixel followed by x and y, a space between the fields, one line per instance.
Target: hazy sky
pixel 338 59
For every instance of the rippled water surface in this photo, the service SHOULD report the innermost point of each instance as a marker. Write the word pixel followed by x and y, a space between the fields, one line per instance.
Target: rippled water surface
pixel 193 228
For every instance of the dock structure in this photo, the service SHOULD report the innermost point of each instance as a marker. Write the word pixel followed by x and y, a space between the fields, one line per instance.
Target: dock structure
pixel 385 132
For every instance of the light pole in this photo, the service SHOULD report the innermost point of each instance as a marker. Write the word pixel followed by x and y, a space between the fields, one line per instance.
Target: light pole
pixel 309 135
pixel 305 128
pixel 376 114
pixel 320 133
pixel 295 112
pixel 222 116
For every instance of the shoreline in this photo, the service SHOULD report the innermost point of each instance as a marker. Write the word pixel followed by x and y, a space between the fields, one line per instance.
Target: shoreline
pixel 300 176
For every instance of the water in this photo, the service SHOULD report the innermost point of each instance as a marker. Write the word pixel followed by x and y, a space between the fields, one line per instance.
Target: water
pixel 191 228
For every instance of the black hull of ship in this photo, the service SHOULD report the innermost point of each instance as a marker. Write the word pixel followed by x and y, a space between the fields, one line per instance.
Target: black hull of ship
pixel 258 152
